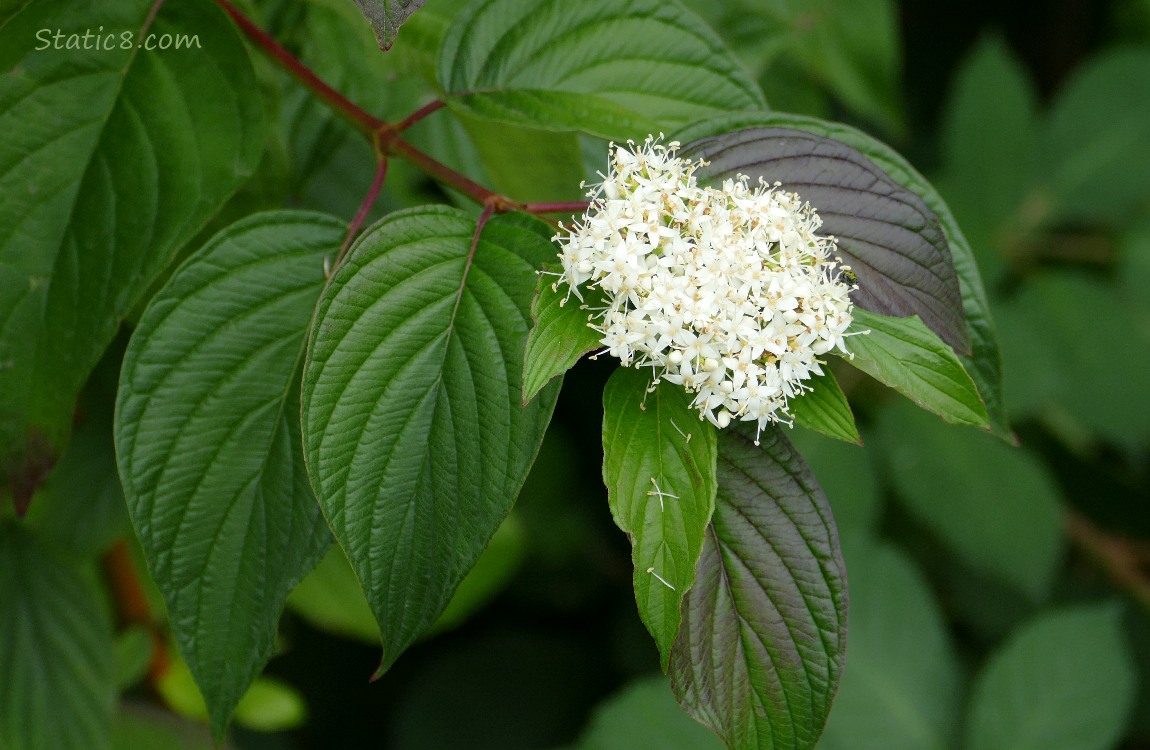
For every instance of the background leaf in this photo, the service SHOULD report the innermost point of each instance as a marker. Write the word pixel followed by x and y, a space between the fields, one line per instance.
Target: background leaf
pixel 644 714
pixel 386 16
pixel 622 70
pixel 416 441
pixel 764 628
pixel 1062 682
pixel 56 652
pixel 209 445
pixel 993 504
pixel 886 233
pixel 904 354
pixel 902 686
pixel 656 443
pixel 112 160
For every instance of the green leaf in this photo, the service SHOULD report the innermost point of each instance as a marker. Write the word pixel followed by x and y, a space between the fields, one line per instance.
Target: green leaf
pixel 761 649
pixel 415 439
pixel 1062 682
pixel 56 652
pixel 386 16
pixel 902 686
pixel 984 364
pixel 620 70
pixel 559 337
pixel 526 164
pixel 1093 147
pixel 644 714
pixel 906 355
pixel 209 445
pixel 825 409
pixel 491 573
pixel 111 160
pixel 659 468
pixel 993 504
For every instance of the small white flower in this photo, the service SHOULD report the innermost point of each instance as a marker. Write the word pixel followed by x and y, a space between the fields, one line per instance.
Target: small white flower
pixel 729 292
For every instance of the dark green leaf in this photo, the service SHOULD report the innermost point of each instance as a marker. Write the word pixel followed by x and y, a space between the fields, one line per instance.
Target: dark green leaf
pixel 415 438
pixel 209 445
pixel 659 468
pixel 386 16
pixel 624 69
pixel 902 686
pixel 56 652
pixel 984 364
pixel 886 233
pixel 559 337
pixel 907 356
pixel 993 504
pixel 825 409
pixel 1063 682
pixel 761 649
pixel 111 160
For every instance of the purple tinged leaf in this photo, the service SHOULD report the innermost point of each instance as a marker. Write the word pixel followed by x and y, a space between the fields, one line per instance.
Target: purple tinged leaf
pixel 887 234
pixel 762 643
pixel 386 16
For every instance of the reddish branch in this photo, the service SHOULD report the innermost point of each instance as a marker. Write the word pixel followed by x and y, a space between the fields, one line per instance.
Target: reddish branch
pixel 132 606
pixel 385 137
pixel 1125 561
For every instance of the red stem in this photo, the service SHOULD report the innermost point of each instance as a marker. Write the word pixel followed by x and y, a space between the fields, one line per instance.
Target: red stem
pixel 364 210
pixel 418 115
pixel 569 207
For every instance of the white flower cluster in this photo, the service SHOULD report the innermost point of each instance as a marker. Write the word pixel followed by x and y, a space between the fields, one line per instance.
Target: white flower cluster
pixel 728 292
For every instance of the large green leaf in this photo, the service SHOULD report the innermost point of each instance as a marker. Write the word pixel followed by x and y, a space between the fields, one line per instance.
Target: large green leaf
pixel 623 69
pixel 659 468
pixel 415 438
pixel 560 335
pixel 993 504
pixel 886 233
pixel 761 649
pixel 906 355
pixel 111 160
pixel 1063 682
pixel 902 686
pixel 208 441
pixel 56 652
pixel 984 364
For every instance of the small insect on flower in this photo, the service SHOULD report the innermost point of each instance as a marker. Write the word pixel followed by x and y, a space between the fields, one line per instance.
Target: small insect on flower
pixel 728 291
